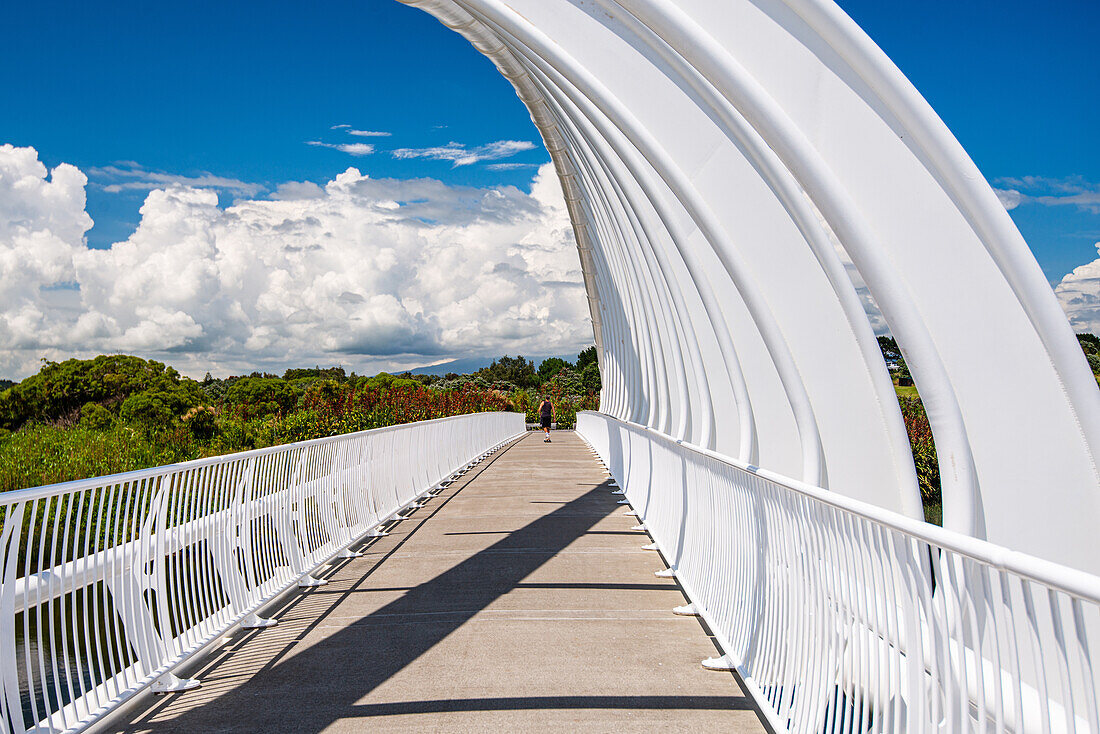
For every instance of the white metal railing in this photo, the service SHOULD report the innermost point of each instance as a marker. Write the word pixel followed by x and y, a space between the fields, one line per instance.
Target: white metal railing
pixel 843 617
pixel 110 583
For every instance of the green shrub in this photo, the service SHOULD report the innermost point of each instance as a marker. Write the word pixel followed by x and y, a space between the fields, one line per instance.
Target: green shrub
pixel 302 425
pixel 551 367
pixel 586 357
pixel 236 434
pixel 60 389
pixel 327 391
pixel 590 378
pixel 381 381
pixel 516 371
pixel 251 397
pixel 924 449
pixel 157 408
pixel 202 421
pixel 569 382
pixel 95 417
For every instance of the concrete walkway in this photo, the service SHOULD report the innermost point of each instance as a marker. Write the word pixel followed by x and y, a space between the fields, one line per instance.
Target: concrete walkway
pixel 518 600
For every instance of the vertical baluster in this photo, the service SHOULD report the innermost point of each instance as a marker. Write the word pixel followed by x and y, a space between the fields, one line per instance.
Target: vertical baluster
pixel 1088 677
pixel 11 535
pixel 83 565
pixel 30 642
pixel 1061 656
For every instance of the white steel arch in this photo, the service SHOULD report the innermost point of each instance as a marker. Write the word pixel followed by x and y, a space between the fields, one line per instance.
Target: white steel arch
pixel 724 162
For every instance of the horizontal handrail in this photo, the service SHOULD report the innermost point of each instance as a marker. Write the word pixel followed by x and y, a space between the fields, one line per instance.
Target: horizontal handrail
pixel 108 584
pixel 1059 576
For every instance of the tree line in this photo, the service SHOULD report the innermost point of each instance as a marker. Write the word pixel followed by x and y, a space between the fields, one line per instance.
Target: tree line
pixel 113 413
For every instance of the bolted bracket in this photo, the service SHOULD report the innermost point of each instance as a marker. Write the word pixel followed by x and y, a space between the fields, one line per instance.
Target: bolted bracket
pixel 688 610
pixel 624 502
pixel 349 553
pixel 308 581
pixel 631 513
pixel 651 546
pixel 619 491
pixel 719 663
pixel 255 622
pixel 640 526
pixel 377 533
pixel 668 573
pixel 169 683
pixel 402 517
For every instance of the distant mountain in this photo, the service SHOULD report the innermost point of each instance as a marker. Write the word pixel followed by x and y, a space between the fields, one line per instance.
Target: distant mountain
pixel 472 364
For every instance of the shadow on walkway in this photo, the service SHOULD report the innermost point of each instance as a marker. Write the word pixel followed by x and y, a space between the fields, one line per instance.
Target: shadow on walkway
pixel 538 703
pixel 308 686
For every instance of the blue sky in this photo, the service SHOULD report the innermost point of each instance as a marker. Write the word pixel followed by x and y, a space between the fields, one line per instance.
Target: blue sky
pixel 241 98
pixel 235 89
pixel 1018 83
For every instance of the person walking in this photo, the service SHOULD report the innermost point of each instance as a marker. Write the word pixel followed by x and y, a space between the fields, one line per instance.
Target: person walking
pixel 546 416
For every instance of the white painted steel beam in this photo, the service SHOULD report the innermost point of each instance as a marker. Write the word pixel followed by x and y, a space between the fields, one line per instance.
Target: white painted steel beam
pixel 727 165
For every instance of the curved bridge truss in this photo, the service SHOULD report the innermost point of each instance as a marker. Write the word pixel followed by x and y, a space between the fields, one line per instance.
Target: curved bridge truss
pixel 745 177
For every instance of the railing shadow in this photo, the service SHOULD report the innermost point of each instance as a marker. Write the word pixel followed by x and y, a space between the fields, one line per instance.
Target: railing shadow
pixel 307 689
pixel 529 703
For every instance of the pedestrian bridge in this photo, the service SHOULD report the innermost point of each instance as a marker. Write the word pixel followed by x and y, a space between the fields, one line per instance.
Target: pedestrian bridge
pixel 755 189
pixel 462 574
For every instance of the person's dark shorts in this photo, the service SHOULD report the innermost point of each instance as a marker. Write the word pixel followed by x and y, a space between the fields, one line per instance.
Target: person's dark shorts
pixel 544 421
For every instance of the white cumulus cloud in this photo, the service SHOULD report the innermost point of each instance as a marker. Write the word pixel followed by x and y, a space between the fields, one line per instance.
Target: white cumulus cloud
pixel 42 226
pixel 1079 294
pixel 369 273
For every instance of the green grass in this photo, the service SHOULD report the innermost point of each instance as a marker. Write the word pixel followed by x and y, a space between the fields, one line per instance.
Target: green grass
pixel 39 454
pixel 906 392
